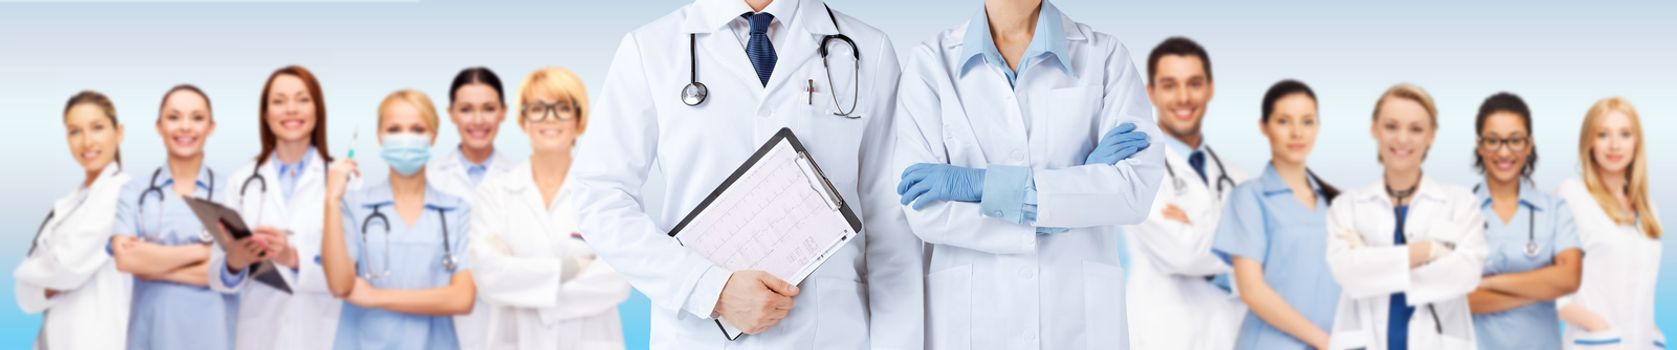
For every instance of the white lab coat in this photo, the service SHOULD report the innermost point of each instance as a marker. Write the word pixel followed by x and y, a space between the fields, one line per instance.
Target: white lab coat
pixel 994 284
pixel 446 172
pixel 1621 268
pixel 1370 269
pixel 543 287
pixel 1170 300
pixel 91 309
pixel 868 294
pixel 268 317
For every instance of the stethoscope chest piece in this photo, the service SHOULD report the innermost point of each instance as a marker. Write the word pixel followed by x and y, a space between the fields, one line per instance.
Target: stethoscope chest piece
pixel 694 93
pixel 450 262
pixel 1531 249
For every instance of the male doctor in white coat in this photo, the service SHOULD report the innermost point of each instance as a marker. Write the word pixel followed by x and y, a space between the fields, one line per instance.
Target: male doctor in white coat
pixel 759 61
pixel 1181 296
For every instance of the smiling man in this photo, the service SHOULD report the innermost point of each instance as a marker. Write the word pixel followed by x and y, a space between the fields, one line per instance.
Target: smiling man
pixel 1180 293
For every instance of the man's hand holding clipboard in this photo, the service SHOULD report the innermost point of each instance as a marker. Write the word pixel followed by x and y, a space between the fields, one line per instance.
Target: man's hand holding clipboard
pixel 773 222
pixel 754 301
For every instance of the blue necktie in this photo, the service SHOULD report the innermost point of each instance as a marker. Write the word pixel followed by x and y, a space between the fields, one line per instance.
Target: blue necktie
pixel 759 49
pixel 1197 160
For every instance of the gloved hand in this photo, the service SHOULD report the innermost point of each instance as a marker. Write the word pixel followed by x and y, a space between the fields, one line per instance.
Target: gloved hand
pixel 925 183
pixel 1118 144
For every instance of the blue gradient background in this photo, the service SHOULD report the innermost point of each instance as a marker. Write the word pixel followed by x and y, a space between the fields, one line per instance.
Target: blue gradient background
pixel 1560 55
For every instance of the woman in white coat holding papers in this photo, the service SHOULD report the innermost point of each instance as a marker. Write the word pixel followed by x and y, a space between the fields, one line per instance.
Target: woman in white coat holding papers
pixel 67 273
pixel 282 195
pixel 543 285
pixel 1405 250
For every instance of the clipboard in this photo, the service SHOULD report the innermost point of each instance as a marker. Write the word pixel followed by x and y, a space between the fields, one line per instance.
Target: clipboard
pixel 210 214
pixel 740 199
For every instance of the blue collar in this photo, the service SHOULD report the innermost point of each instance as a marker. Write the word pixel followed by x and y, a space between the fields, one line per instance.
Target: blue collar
pixel 1530 197
pixel 476 166
pixel 1049 39
pixel 282 168
pixel 379 195
pixel 167 177
pixel 1274 185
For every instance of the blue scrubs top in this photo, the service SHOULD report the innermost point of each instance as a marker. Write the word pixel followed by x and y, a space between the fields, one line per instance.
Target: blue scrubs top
pixel 166 315
pixel 1262 221
pixel 407 258
pixel 1543 219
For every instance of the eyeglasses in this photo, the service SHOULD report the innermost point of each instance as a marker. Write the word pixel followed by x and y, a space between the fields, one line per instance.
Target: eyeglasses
pixel 1513 143
pixel 537 112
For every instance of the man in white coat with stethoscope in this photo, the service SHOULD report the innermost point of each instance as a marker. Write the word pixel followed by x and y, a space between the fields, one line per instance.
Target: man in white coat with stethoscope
pixel 1019 163
pixel 693 94
pixel 1181 296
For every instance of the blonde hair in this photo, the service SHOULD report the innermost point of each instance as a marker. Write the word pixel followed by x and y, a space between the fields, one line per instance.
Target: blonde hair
pixel 1410 92
pixel 561 83
pixel 413 98
pixel 1638 172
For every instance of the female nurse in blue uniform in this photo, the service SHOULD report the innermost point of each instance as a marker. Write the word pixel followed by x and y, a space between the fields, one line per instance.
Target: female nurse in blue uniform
pixel 1274 232
pixel 396 251
pixel 1534 254
pixel 159 241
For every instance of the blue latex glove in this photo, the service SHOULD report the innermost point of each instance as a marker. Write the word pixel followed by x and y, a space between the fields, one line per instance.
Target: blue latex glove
pixel 924 183
pixel 1120 143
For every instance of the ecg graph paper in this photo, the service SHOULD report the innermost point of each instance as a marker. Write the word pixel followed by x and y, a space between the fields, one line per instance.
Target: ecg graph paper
pixel 770 219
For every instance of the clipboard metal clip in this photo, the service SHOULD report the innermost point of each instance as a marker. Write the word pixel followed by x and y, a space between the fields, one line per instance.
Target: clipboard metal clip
pixel 818 181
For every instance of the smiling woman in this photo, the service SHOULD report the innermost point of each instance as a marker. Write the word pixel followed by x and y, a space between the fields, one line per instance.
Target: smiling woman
pixel 280 193
pixel 159 240
pixel 66 271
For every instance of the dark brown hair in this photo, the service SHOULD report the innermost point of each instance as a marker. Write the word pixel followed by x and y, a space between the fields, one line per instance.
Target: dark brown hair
pixel 1286 88
pixel 1511 103
pixel 1177 46
pixel 317 137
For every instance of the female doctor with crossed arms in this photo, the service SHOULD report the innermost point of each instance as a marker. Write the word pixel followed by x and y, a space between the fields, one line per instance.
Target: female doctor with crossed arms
pixel 67 273
pixel 544 287
pixel 1406 250
pixel 1000 121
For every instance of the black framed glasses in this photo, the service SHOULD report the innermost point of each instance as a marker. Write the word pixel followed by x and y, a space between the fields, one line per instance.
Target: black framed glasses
pixel 1513 143
pixel 538 112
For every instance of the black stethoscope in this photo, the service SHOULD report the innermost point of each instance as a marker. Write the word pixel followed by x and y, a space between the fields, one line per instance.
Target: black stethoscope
pixel 696 93
pixel 1222 174
pixel 153 186
pixel 1531 249
pixel 449 261
pixel 262 185
pixel 35 243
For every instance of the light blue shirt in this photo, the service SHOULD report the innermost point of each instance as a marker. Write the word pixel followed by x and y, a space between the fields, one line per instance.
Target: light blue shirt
pixel 1543 219
pixel 166 315
pixel 1182 148
pixel 475 171
pixel 1262 221
pixel 289 173
pixel 1010 191
pixel 1049 38
pixel 413 258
